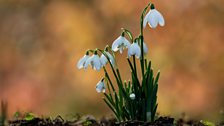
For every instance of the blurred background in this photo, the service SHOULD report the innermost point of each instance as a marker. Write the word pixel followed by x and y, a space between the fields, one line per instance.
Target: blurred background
pixel 41 42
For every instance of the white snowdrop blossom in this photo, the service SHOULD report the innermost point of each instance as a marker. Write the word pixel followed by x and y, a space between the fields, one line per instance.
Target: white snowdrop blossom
pixel 100 86
pixel 120 44
pixel 134 49
pixel 94 61
pixel 82 61
pixel 153 18
pixel 145 48
pixel 132 96
pixel 104 60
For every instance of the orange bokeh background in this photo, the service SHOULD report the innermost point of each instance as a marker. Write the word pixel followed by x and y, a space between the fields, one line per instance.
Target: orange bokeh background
pixel 41 42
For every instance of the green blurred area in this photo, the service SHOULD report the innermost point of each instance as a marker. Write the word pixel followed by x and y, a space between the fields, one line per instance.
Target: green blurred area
pixel 42 40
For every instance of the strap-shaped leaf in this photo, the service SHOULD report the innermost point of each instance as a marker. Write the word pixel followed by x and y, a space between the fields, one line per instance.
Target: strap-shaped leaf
pixel 108 77
pixel 154 113
pixel 157 77
pixel 110 106
pixel 110 99
pixel 126 113
pixel 117 105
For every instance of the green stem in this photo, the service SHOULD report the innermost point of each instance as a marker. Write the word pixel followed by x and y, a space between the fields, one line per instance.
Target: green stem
pixel 128 33
pixel 141 37
pixel 107 76
pixel 142 56
pixel 142 18
pixel 135 66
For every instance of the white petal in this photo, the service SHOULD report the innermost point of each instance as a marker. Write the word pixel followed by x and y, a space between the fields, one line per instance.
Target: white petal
pixel 100 87
pixel 126 43
pixel 111 58
pixel 120 50
pixel 117 43
pixel 145 48
pixel 145 20
pixel 137 51
pixel 153 19
pixel 103 60
pixel 120 44
pixel 134 50
pixel 88 61
pixel 82 61
pixel 160 18
pixel 130 51
pixel 96 63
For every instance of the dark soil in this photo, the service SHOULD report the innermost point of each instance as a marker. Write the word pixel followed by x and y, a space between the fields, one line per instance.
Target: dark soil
pixel 90 121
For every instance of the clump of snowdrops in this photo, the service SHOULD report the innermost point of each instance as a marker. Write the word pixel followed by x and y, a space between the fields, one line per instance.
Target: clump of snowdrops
pixel 135 99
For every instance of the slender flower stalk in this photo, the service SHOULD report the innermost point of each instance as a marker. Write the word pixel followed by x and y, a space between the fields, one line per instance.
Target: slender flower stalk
pixel 142 38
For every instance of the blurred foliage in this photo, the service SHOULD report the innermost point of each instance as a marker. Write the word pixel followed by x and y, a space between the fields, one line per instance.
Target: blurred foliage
pixel 207 123
pixel 41 41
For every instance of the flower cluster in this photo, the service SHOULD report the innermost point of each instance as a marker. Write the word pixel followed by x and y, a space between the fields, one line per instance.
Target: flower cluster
pixel 119 44
pixel 95 61
pixel 135 99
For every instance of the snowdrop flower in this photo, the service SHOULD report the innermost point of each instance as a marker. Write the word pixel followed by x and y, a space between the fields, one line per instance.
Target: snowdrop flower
pixel 94 61
pixel 120 44
pixel 134 49
pixel 83 60
pixel 132 96
pixel 104 60
pixel 145 48
pixel 153 18
pixel 100 86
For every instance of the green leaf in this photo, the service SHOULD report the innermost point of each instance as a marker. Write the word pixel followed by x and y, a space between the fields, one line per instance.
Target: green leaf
pixel 146 64
pixel 17 114
pixel 135 85
pixel 29 116
pixel 126 113
pixel 154 113
pixel 157 77
pixel 129 62
pixel 110 99
pixel 149 86
pixel 87 123
pixel 110 106
pixel 207 123
pixel 107 76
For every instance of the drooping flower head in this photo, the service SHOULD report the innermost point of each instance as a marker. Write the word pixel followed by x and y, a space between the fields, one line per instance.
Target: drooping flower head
pixel 83 60
pixel 153 18
pixel 104 59
pixel 134 50
pixel 100 86
pixel 120 44
pixel 132 96
pixel 94 61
